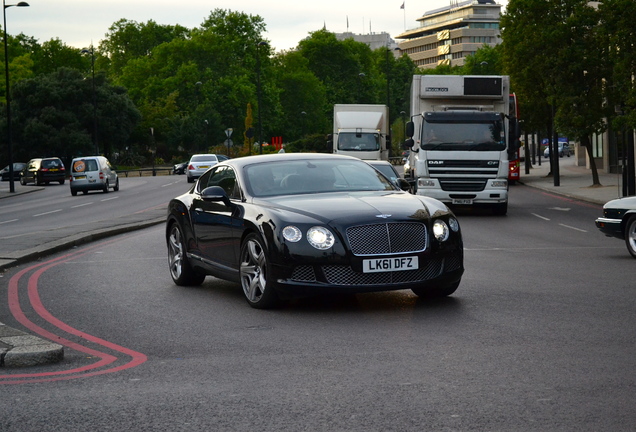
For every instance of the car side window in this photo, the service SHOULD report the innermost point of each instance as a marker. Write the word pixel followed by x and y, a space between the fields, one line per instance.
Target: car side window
pixel 221 176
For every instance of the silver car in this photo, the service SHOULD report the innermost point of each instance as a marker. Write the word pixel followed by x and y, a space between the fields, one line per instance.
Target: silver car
pixel 92 173
pixel 199 164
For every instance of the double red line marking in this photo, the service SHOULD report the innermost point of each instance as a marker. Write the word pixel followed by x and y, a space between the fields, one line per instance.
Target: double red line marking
pixel 98 368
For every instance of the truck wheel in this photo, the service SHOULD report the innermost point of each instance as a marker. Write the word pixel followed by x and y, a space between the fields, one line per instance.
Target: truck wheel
pixel 500 209
pixel 630 235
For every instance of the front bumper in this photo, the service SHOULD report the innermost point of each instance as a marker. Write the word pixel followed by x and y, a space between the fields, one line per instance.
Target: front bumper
pixel 610 227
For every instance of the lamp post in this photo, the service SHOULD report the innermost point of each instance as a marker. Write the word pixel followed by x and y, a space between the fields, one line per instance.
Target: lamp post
pixel 6 73
pixel 91 51
pixel 258 94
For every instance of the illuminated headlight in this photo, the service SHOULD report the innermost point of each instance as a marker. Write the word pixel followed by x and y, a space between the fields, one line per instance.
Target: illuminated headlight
pixel 440 230
pixel 292 234
pixel 320 237
pixel 425 183
pixel 500 183
pixel 453 224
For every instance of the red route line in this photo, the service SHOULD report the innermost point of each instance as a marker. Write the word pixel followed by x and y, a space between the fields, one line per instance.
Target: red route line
pixel 38 307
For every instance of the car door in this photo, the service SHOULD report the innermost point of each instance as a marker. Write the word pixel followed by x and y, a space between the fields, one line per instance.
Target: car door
pixel 213 221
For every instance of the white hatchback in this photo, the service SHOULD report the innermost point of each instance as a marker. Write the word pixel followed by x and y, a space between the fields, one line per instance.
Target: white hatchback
pixel 200 163
pixel 92 173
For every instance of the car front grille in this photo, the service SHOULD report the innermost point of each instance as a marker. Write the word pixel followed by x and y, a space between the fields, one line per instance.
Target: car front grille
pixel 387 238
pixel 344 275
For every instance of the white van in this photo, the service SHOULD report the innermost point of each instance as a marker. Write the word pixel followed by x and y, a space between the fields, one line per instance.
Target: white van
pixel 92 173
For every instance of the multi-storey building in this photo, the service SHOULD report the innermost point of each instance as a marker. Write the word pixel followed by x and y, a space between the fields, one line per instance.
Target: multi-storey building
pixel 448 35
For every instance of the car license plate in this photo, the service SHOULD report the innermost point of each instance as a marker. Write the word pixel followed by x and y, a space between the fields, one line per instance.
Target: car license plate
pixel 79 177
pixel 204 166
pixel 462 201
pixel 389 264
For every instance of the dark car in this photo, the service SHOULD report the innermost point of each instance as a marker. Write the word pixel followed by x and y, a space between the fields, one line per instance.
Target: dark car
pixel 43 171
pixel 17 170
pixel 388 169
pixel 619 220
pixel 180 168
pixel 288 225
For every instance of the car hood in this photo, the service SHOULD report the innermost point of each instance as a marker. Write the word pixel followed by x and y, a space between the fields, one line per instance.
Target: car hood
pixel 357 207
pixel 628 203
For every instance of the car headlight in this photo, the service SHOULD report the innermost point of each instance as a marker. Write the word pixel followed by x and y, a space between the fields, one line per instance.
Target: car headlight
pixel 292 234
pixel 453 224
pixel 320 237
pixel 440 230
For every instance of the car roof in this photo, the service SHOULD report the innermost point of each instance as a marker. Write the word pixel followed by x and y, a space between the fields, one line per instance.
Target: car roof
pixel 276 157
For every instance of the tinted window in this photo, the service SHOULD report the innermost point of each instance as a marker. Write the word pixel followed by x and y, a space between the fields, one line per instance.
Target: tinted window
pixel 203 158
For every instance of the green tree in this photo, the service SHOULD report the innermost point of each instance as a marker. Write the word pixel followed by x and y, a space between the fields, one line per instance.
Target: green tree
pixel 53 115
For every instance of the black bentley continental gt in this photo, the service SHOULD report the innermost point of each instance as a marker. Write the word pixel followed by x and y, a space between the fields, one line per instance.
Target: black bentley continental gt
pixel 289 225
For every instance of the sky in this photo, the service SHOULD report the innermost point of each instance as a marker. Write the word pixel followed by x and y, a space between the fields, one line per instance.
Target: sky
pixel 78 23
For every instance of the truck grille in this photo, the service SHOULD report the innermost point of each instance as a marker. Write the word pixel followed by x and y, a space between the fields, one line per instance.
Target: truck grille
pixel 462 185
pixel 387 238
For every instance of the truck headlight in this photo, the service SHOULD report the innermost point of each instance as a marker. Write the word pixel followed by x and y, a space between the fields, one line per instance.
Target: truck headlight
pixel 425 183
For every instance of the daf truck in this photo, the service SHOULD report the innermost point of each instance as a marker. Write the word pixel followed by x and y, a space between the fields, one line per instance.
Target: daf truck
pixel 460 137
pixel 361 130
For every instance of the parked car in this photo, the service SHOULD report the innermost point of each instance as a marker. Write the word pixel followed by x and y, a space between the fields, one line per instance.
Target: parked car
pixel 198 164
pixel 17 170
pixel 564 150
pixel 287 225
pixel 619 220
pixel 387 168
pixel 43 171
pixel 92 173
pixel 180 168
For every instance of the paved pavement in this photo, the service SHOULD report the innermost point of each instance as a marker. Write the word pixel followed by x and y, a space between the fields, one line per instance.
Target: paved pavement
pixel 19 349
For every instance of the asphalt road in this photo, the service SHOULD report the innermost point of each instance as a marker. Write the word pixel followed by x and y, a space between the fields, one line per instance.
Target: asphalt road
pixel 538 337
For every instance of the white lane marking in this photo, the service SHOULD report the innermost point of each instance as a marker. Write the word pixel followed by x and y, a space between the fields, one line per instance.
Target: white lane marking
pixel 52 211
pixel 574 228
pixel 108 199
pixel 82 205
pixel 540 217
pixel 565 209
pixel 8 221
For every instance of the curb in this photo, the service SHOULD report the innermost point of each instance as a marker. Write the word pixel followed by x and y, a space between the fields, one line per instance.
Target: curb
pixel 19 349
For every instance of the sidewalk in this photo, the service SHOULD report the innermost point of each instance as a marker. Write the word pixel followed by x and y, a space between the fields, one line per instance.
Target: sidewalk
pixel 575 181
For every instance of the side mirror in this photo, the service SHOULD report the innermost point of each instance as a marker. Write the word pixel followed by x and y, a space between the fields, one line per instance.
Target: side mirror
pixel 410 129
pixel 215 194
pixel 329 142
pixel 403 184
pixel 408 144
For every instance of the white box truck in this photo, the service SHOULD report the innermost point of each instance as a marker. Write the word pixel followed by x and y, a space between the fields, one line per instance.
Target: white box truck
pixel 361 130
pixel 460 135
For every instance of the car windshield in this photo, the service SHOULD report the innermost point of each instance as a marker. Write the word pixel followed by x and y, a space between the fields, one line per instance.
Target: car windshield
pixel 313 176
pixel 203 158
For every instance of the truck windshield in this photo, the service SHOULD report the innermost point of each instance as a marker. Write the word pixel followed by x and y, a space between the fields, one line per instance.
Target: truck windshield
pixel 468 136
pixel 358 141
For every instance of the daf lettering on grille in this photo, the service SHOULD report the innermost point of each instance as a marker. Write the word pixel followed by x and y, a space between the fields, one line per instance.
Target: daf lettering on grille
pixel 383 216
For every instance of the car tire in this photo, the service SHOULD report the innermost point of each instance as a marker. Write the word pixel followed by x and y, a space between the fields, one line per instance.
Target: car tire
pixel 62 181
pixel 436 292
pixel 106 186
pixel 22 181
pixel 190 180
pixel 116 188
pixel 180 269
pixel 254 270
pixel 630 235
pixel 73 192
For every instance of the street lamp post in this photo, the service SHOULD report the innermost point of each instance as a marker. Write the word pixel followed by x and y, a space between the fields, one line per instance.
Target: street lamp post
pixel 258 94
pixel 91 51
pixel 8 91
